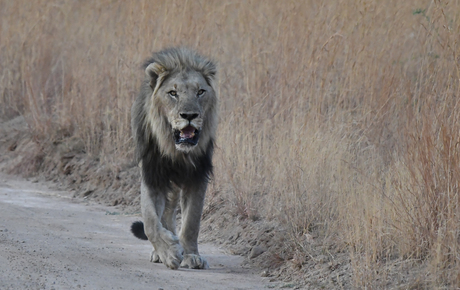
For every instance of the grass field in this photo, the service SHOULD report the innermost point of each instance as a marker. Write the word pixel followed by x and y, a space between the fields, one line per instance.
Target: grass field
pixel 339 118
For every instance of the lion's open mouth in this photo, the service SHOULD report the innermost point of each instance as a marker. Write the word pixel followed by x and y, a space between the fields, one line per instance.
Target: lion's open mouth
pixel 188 135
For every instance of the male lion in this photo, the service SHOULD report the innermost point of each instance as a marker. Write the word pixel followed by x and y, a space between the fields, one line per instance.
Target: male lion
pixel 174 120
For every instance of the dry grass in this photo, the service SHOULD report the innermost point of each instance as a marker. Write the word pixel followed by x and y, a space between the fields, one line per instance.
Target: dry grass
pixel 337 118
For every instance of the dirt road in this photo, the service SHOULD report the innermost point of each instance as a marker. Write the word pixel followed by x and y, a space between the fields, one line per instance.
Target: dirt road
pixel 49 241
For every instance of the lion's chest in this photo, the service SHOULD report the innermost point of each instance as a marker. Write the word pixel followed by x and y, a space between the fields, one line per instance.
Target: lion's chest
pixel 160 172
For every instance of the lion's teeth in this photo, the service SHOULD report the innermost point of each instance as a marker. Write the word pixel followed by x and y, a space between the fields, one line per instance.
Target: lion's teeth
pixel 187 135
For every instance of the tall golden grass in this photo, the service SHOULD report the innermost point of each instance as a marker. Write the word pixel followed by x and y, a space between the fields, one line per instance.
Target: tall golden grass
pixel 340 118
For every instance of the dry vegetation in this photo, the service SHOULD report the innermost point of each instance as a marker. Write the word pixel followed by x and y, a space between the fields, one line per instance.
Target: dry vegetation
pixel 338 119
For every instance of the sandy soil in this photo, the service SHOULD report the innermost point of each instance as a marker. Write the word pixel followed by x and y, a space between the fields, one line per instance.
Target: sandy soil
pixel 49 240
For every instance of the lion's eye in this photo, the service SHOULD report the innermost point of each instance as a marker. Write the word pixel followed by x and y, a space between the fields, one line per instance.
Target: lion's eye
pixel 172 93
pixel 200 93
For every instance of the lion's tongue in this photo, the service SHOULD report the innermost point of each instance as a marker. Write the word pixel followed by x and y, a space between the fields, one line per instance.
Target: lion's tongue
pixel 187 132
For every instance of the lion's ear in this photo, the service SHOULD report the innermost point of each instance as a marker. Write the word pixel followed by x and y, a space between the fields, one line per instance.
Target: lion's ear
pixel 153 71
pixel 209 72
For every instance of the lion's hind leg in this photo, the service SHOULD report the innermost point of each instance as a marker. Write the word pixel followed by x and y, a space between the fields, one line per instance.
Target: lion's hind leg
pixel 166 244
pixel 168 218
pixel 137 228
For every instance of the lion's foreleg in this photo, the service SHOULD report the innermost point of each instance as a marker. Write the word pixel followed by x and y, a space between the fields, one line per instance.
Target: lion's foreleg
pixel 192 206
pixel 166 244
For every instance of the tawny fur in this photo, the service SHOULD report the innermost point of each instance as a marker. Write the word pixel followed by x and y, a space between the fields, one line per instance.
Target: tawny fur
pixel 172 171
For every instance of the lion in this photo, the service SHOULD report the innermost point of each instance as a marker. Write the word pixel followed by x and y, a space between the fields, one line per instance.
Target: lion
pixel 174 121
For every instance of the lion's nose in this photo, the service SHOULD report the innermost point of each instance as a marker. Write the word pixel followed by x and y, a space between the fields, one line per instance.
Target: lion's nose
pixel 189 116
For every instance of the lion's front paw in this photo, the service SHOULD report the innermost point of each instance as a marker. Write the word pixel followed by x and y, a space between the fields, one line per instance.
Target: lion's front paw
pixel 171 256
pixel 194 262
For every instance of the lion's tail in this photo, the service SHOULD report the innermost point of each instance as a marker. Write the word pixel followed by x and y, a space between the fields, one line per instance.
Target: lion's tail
pixel 137 228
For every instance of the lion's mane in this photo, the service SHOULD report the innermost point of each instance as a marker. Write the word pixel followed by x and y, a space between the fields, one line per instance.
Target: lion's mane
pixel 161 163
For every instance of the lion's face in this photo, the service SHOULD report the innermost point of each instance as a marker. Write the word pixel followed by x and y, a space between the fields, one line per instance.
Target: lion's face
pixel 187 101
pixel 185 97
